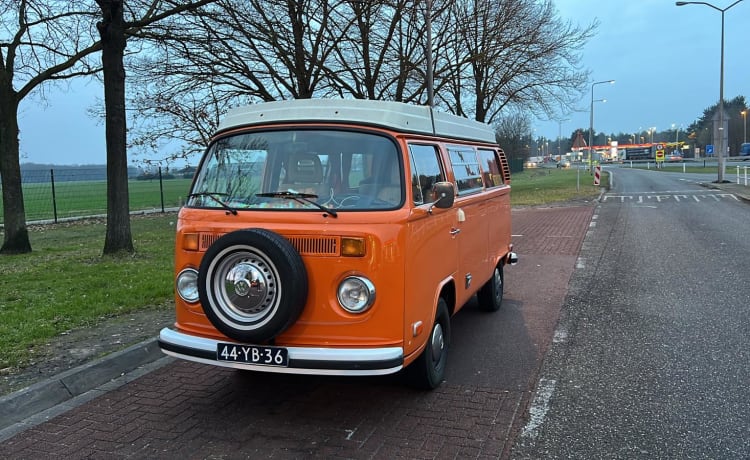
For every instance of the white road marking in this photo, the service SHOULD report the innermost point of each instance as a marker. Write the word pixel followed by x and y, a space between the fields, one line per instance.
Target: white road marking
pixel 580 263
pixel 678 197
pixel 561 335
pixel 539 407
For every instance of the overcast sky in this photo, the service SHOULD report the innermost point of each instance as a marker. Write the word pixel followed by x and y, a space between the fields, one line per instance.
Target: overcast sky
pixel 665 60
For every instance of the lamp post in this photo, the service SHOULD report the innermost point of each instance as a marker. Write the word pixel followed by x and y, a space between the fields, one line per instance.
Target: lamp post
pixel 559 136
pixel 430 70
pixel 721 147
pixel 591 119
pixel 744 126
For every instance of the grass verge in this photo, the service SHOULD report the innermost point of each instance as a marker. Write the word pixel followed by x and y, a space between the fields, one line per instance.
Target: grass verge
pixel 66 283
pixel 710 169
pixel 534 187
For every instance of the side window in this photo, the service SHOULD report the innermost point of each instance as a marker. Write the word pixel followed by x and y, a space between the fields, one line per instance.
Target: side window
pixel 426 169
pixel 466 169
pixel 492 172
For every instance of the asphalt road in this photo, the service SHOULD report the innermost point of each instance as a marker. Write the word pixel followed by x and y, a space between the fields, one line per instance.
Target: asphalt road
pixel 652 357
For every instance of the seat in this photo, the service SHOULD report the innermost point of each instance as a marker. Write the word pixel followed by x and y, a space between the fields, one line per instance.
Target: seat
pixel 304 174
pixel 389 190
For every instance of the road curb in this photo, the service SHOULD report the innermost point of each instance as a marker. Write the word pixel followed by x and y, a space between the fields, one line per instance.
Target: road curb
pixel 29 401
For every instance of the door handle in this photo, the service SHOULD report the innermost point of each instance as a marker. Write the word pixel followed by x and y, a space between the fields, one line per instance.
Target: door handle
pixel 455 231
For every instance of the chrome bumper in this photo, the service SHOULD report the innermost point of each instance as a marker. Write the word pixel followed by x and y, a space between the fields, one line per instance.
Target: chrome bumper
pixel 302 360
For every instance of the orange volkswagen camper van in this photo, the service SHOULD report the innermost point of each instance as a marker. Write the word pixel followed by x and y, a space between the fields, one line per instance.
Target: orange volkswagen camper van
pixel 338 237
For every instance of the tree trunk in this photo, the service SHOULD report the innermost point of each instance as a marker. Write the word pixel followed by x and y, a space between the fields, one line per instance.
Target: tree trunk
pixel 16 236
pixel 112 31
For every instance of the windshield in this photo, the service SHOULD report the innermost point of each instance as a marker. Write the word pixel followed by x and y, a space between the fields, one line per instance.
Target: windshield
pixel 302 169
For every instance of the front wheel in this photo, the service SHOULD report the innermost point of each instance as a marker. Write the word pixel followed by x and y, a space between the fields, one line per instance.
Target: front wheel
pixel 428 371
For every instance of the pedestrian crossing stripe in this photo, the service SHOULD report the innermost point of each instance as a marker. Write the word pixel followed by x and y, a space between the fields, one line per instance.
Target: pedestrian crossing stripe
pixel 664 197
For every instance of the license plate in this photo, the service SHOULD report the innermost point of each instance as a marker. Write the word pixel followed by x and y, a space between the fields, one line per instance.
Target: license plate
pixel 252 354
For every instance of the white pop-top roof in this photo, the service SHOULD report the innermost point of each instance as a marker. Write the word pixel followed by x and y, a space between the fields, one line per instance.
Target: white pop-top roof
pixel 395 115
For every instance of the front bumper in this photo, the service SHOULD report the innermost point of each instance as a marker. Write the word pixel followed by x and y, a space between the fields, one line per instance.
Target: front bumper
pixel 302 360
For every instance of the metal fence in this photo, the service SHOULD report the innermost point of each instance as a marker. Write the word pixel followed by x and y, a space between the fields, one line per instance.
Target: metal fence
pixel 63 193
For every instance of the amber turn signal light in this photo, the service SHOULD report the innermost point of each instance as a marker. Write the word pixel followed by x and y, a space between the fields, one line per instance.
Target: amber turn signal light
pixel 353 247
pixel 190 241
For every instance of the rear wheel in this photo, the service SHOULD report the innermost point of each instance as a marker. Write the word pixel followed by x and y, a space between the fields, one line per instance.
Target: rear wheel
pixel 428 371
pixel 490 296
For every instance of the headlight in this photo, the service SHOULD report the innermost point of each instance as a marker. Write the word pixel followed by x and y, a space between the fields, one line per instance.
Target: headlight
pixel 187 285
pixel 356 294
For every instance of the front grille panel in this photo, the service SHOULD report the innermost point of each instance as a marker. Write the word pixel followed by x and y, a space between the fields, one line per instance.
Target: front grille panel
pixel 306 245
pixel 316 245
pixel 207 239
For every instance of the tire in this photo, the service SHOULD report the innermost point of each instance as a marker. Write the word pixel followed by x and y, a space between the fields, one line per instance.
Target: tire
pixel 490 296
pixel 252 285
pixel 428 371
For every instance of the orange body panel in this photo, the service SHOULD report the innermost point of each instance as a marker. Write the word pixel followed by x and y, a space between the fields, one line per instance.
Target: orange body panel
pixel 322 322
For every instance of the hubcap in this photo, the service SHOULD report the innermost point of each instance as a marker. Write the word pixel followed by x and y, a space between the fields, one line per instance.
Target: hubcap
pixel 245 287
pixel 437 343
pixel 498 286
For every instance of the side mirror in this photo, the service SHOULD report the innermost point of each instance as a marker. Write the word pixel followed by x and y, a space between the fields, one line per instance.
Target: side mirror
pixel 444 194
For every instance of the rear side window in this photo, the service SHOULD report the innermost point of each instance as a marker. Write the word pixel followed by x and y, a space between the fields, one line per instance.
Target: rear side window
pixel 466 169
pixel 492 172
pixel 426 170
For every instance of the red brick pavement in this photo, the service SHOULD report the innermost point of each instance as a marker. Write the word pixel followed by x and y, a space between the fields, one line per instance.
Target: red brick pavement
pixel 186 410
pixel 550 231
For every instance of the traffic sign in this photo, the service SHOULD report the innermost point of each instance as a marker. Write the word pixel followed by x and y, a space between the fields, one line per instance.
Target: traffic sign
pixel 709 149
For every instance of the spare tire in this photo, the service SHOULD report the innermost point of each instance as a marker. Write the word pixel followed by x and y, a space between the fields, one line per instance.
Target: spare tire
pixel 252 285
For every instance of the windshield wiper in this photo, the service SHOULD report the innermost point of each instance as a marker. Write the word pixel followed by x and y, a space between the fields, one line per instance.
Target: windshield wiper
pixel 215 196
pixel 299 198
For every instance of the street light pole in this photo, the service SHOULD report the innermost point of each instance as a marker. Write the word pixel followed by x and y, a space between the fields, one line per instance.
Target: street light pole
pixel 430 77
pixel 591 119
pixel 722 148
pixel 744 126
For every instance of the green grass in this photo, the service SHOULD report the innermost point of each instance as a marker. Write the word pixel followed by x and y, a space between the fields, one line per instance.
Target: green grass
pixel 710 168
pixel 547 186
pixel 66 283
pixel 85 198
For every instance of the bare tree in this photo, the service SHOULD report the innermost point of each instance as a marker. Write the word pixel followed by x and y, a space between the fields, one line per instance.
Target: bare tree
pixel 44 41
pixel 490 58
pixel 114 31
pixel 40 42
pixel 515 53
pixel 383 56
pixel 233 53
pixel 514 134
